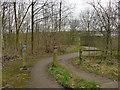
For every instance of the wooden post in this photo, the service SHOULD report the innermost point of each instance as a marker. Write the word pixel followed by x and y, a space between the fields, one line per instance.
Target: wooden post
pixel 24 58
pixel 55 62
pixel 103 55
pixel 80 54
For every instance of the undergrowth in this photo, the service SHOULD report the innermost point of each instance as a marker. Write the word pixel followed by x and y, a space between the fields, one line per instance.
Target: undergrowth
pixel 98 66
pixel 68 80
pixel 13 77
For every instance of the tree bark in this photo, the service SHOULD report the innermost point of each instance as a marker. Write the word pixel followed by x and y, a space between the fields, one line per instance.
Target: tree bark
pixel 32 26
pixel 119 30
pixel 59 39
pixel 60 15
pixel 17 31
pixel 3 27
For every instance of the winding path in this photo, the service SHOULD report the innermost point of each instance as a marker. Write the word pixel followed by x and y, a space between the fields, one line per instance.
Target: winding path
pixel 42 79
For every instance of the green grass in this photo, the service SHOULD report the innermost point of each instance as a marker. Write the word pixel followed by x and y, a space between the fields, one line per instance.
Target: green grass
pixel 82 83
pixel 67 79
pixel 61 75
pixel 13 77
pixel 98 66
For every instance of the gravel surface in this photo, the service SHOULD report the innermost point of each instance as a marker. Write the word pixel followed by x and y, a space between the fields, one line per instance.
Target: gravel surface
pixel 41 78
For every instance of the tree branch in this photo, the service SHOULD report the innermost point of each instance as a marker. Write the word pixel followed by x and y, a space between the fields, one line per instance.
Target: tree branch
pixel 24 16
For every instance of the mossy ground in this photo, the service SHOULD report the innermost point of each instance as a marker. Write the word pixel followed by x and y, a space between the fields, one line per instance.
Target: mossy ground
pixel 13 77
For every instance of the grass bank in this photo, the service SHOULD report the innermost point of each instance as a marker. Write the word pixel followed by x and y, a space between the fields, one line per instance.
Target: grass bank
pixel 97 65
pixel 69 80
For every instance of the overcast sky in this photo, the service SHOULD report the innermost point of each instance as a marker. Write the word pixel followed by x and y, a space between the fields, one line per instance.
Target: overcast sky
pixel 81 5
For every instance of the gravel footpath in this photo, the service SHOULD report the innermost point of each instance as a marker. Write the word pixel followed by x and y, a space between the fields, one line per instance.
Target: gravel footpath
pixel 42 79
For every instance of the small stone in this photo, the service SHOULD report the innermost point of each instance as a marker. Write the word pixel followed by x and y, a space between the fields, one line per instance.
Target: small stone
pixel 82 87
pixel 98 86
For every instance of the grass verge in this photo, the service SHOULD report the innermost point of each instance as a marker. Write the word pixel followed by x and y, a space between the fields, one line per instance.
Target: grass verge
pixel 13 77
pixel 82 83
pixel 98 66
pixel 69 80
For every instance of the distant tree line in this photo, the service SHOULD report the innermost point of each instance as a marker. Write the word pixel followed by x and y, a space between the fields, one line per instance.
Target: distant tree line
pixel 42 24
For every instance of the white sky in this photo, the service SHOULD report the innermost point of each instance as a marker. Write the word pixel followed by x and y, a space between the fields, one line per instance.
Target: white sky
pixel 81 5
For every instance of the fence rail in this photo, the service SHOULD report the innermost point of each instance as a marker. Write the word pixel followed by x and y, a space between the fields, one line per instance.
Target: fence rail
pixel 97 50
pixel 92 50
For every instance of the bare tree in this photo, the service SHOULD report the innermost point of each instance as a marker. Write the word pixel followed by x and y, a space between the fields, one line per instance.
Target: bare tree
pixel 107 20
pixel 119 29
pixel 74 24
pixel 32 25
pixel 19 23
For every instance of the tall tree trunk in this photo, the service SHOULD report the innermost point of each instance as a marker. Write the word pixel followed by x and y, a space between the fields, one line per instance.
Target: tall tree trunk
pixel 119 31
pixel 9 21
pixel 3 27
pixel 107 43
pixel 1 39
pixel 32 26
pixel 59 34
pixel 60 15
pixel 55 30
pixel 108 37
pixel 9 36
pixel 27 32
pixel 45 26
pixel 17 31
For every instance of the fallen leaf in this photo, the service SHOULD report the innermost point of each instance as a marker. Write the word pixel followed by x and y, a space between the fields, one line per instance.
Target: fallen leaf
pixel 82 87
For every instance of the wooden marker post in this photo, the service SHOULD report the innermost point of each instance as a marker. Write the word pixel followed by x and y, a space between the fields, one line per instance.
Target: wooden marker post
pixel 24 58
pixel 103 55
pixel 80 54
pixel 55 62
